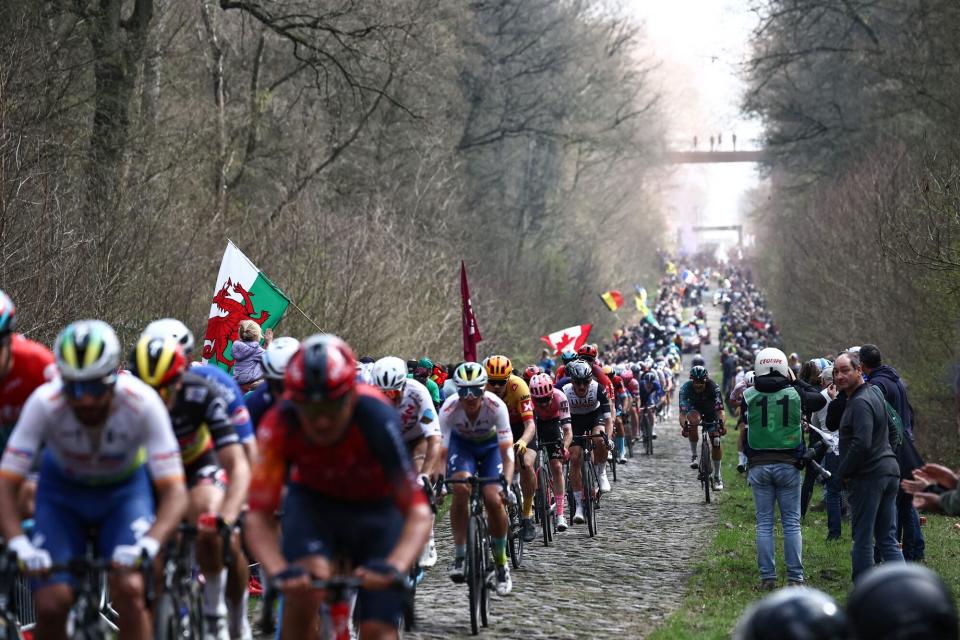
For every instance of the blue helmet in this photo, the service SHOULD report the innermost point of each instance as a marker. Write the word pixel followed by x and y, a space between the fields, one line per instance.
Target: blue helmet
pixel 8 315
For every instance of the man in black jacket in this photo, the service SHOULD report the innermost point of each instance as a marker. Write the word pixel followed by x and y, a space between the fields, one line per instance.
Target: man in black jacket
pixel 868 466
pixel 894 391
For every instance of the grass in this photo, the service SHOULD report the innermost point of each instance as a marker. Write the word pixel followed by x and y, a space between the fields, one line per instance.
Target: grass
pixel 725 582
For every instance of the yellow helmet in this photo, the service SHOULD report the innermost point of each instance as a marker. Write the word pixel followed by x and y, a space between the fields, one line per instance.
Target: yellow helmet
pixel 498 367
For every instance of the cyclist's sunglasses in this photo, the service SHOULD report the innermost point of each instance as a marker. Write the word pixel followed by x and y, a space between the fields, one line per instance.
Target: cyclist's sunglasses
pixel 169 389
pixel 393 394
pixel 543 400
pixel 318 408
pixel 581 383
pixel 497 383
pixel 470 392
pixel 94 388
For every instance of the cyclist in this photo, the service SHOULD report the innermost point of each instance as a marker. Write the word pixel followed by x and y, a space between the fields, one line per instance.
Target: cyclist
pixel 274 363
pixel 551 410
pixel 101 434
pixel 228 389
pixel 531 371
pixel 419 426
pixel 477 440
pixel 216 467
pixel 649 397
pixel 422 370
pixel 515 393
pixel 566 357
pixel 702 395
pixel 334 445
pixel 24 366
pixel 589 414
pixel 588 353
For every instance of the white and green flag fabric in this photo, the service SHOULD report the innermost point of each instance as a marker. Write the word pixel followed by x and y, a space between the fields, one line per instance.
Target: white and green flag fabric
pixel 242 292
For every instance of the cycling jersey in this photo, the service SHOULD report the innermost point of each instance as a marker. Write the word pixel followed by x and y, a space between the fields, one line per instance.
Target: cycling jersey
pixel 137 432
pixel 550 419
pixel 634 388
pixel 418 418
pixel 227 387
pixel 651 396
pixel 519 406
pixel 493 421
pixel 258 401
pixel 368 464
pixel 590 410
pixel 33 365
pixel 200 419
pixel 432 387
pixel 707 403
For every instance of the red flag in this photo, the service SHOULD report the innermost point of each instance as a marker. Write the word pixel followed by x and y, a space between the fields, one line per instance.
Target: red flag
pixel 569 338
pixel 471 332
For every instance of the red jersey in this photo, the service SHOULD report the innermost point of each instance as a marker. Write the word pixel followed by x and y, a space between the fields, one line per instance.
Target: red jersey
pixel 368 464
pixel 33 365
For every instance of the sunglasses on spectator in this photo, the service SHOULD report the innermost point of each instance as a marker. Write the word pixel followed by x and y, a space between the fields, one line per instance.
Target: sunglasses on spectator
pixel 470 392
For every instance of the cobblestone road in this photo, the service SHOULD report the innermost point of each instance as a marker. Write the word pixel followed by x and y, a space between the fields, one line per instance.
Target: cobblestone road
pixel 621 583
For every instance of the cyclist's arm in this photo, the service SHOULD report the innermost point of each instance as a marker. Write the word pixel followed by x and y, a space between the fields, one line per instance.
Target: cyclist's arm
pixel 233 459
pixel 16 462
pixel 266 485
pixel 505 440
pixel 261 535
pixel 604 410
pixel 432 462
pixel 166 469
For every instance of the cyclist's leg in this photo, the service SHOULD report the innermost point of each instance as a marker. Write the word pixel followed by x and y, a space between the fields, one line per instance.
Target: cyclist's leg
pixel 599 448
pixel 128 512
pixel 206 480
pixel 490 465
pixel 307 537
pixel 693 437
pixel 371 533
pixel 716 451
pixel 461 463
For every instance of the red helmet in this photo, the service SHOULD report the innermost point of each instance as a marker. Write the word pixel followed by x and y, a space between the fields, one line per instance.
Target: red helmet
pixel 587 352
pixel 617 381
pixel 324 368
pixel 541 386
pixel 531 371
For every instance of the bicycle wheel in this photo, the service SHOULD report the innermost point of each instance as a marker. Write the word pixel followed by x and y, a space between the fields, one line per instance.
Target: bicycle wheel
pixel 706 467
pixel 543 504
pixel 487 565
pixel 515 536
pixel 630 446
pixel 166 619
pixel 475 573
pixel 647 435
pixel 409 599
pixel 613 464
pixel 588 489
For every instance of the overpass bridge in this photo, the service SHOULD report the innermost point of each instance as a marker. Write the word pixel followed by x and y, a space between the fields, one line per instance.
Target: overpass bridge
pixel 711 157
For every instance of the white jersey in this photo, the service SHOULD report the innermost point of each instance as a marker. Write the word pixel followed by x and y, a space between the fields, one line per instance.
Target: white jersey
pixel 417 417
pixel 137 431
pixel 493 420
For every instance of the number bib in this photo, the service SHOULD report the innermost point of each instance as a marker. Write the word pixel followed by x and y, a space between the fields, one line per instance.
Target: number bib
pixel 773 419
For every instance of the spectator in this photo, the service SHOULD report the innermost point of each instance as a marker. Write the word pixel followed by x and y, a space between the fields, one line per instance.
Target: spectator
pixel 246 355
pixel 546 362
pixel 868 466
pixel 895 392
pixel 833 496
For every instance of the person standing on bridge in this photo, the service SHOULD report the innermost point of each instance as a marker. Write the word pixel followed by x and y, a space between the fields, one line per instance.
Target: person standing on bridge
pixel 734 136
pixel 695 140
pixel 711 143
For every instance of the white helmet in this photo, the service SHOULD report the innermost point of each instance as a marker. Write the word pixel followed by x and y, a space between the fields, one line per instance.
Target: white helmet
pixel 87 350
pixel 171 327
pixel 274 360
pixel 390 373
pixel 771 360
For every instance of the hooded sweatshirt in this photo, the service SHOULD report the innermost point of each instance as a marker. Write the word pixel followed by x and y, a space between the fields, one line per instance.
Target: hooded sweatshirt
pixel 894 391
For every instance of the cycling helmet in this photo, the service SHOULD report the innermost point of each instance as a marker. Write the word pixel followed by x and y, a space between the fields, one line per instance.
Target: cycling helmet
pixel 698 361
pixel 470 374
pixel 627 375
pixel 568 356
pixel 587 352
pixel 902 601
pixel 323 368
pixel 173 328
pixel 157 361
pixel 617 380
pixel 649 377
pixel 541 386
pixel 794 614
pixel 425 363
pixel 277 356
pixel 498 367
pixel 636 370
pixel 8 315
pixel 87 350
pixel 648 363
pixel 769 361
pixel 698 372
pixel 578 371
pixel 607 370
pixel 531 371
pixel 390 373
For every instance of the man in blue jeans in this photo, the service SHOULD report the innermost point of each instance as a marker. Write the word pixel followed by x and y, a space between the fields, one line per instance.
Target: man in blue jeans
pixel 774 407
pixel 868 466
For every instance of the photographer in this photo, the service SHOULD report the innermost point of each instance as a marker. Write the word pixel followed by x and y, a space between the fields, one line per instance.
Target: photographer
pixel 774 447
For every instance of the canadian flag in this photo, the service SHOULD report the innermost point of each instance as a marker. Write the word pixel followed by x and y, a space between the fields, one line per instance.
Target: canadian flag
pixel 570 338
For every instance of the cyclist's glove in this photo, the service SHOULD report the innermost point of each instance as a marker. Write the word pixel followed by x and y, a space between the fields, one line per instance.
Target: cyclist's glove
pixel 32 558
pixel 129 555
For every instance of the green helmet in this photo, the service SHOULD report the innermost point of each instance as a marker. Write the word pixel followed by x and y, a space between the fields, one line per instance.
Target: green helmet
pixel 698 372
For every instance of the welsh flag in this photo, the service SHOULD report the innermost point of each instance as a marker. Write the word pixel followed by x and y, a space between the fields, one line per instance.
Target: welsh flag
pixel 242 292
pixel 569 338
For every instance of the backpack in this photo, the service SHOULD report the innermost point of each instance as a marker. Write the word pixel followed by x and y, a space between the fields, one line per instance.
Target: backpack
pixel 907 455
pixel 894 423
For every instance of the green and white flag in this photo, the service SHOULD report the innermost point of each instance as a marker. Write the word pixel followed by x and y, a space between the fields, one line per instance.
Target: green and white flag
pixel 242 292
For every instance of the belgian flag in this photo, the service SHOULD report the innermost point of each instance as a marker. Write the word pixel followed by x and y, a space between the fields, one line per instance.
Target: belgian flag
pixel 613 299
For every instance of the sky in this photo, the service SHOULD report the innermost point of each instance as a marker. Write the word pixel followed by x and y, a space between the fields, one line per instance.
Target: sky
pixel 701 45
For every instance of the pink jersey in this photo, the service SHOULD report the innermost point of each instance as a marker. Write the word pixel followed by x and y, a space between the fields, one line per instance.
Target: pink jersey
pixel 557 410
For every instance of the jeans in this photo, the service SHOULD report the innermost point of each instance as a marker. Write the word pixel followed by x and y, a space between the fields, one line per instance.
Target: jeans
pixel 832 495
pixel 908 528
pixel 873 516
pixel 777 483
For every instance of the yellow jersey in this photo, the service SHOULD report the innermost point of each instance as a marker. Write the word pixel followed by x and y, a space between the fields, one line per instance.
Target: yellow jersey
pixel 517 399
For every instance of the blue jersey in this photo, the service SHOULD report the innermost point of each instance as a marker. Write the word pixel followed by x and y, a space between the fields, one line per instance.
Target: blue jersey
pixel 650 396
pixel 258 401
pixel 229 390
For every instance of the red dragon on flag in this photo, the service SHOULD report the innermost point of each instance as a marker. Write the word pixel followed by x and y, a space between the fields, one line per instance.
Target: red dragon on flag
pixel 222 330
